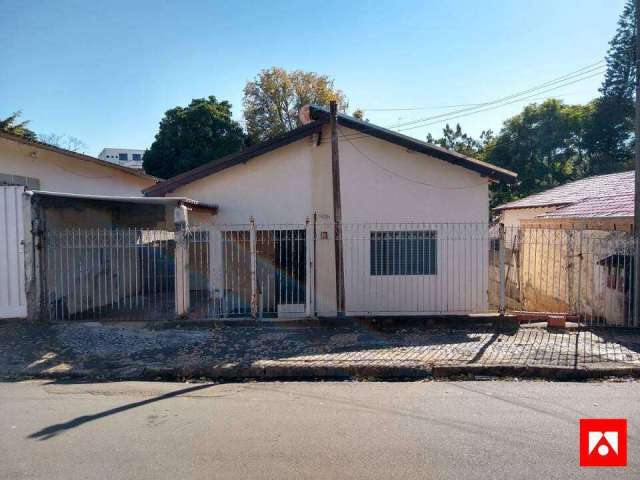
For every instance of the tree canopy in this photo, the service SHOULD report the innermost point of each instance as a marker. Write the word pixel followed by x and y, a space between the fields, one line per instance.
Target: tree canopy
pixel 191 136
pixel 273 99
pixel 551 143
pixel 11 124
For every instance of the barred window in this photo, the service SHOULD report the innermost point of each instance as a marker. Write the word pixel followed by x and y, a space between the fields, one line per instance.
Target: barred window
pixel 404 253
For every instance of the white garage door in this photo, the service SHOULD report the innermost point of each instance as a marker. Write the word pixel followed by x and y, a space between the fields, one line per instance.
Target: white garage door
pixel 12 281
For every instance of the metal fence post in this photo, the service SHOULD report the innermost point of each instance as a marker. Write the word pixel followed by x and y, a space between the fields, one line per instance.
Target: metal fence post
pixel 579 276
pixel 501 268
pixel 254 278
pixel 309 268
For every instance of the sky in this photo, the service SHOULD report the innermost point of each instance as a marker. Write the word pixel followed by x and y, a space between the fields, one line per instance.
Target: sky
pixel 106 71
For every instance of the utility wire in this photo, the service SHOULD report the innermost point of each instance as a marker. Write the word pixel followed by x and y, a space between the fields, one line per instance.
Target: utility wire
pixel 408 179
pixel 563 77
pixel 427 121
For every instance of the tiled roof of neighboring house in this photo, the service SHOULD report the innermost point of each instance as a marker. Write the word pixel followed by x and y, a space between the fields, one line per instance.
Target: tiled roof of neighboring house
pixel 596 207
pixel 320 117
pixel 69 153
pixel 600 186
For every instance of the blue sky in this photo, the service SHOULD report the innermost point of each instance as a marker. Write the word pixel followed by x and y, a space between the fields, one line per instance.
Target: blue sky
pixel 105 72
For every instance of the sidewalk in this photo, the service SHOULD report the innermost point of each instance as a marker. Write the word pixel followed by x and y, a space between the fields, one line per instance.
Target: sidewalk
pixel 272 351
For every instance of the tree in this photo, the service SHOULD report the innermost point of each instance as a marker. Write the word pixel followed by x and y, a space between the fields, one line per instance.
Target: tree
pixel 543 144
pixel 193 135
pixel 461 142
pixel 359 114
pixel 67 142
pixel 11 125
pixel 609 135
pixel 273 99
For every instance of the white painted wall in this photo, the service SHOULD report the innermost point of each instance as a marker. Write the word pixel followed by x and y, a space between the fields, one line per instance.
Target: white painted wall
pixel 62 173
pixel 12 269
pixel 392 185
pixel 274 188
pixel 387 184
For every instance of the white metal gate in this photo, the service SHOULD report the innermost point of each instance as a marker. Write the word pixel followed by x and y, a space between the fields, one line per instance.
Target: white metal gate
pixel 12 279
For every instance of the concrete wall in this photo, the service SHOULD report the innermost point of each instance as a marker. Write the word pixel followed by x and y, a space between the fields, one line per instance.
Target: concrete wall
pixel 62 173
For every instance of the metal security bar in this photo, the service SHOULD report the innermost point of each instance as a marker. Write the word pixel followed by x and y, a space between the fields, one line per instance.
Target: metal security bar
pixel 100 273
pixel 414 268
pixel 290 271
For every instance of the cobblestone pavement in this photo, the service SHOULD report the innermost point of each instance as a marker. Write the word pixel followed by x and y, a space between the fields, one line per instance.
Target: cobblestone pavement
pixel 114 351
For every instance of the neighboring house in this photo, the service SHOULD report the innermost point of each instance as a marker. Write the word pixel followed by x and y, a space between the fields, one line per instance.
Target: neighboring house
pixel 602 202
pixel 570 249
pixel 404 206
pixel 127 157
pixel 47 189
pixel 44 167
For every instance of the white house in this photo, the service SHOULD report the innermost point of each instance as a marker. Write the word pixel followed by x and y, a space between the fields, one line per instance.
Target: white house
pixel 412 235
pixel 44 167
pixel 127 157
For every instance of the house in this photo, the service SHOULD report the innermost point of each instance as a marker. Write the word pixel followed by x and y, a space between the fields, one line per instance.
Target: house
pixel 127 157
pixel 570 249
pixel 49 193
pixel 602 202
pixel 45 167
pixel 411 237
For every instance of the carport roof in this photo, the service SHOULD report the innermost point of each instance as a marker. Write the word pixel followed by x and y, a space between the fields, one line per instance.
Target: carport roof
pixel 188 202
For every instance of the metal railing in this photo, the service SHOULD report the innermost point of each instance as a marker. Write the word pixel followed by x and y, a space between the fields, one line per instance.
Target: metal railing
pixel 286 271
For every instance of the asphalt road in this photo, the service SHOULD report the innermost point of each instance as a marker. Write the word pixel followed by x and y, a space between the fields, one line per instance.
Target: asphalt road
pixel 421 430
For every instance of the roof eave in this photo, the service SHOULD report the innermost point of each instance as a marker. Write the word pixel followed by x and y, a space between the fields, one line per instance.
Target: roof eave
pixel 219 164
pixel 491 171
pixel 80 156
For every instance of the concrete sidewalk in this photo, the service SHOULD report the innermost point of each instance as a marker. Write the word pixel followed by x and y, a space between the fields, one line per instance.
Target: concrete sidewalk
pixel 309 351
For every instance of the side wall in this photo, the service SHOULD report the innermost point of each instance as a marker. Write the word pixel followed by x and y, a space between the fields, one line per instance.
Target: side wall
pixel 60 173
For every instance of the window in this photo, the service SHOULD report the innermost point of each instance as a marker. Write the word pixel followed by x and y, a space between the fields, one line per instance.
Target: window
pixel 19 180
pixel 123 157
pixel 136 157
pixel 404 253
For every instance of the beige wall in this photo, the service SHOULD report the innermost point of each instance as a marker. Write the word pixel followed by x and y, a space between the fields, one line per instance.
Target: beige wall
pixel 62 173
pixel 512 217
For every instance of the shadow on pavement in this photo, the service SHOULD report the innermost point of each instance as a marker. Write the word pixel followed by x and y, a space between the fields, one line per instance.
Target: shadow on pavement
pixel 53 430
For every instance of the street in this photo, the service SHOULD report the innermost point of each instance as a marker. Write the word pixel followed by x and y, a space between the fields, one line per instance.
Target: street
pixel 418 430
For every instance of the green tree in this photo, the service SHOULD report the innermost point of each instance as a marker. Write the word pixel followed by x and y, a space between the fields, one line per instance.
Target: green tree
pixel 609 133
pixel 457 140
pixel 191 136
pixel 10 124
pixel 273 99
pixel 543 144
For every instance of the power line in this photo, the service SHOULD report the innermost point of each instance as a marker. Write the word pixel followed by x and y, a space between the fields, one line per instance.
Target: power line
pixel 549 83
pixel 514 98
pixel 408 179
pixel 580 71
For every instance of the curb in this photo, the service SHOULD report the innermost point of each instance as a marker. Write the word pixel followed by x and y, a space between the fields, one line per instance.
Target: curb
pixel 336 373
